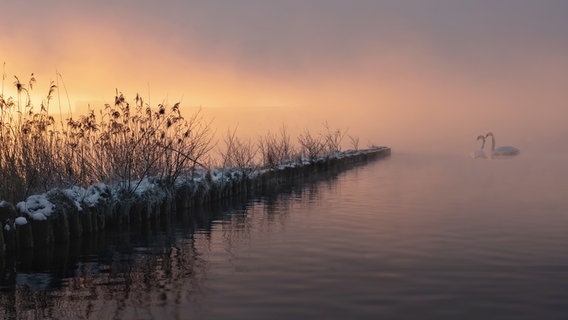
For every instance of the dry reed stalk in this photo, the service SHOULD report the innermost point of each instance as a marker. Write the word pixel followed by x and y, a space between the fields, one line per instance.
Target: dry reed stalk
pixel 124 143
pixel 119 145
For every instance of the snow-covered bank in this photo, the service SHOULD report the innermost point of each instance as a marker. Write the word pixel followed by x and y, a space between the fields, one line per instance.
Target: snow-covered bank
pixel 60 215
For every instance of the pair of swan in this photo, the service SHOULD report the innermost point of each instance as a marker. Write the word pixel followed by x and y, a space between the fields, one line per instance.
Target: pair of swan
pixel 500 152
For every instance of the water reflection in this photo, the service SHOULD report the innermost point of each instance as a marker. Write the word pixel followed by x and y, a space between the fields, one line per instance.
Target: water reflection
pixel 407 237
pixel 131 272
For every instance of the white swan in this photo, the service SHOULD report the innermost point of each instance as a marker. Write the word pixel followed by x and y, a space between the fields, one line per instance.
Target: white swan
pixel 479 154
pixel 504 151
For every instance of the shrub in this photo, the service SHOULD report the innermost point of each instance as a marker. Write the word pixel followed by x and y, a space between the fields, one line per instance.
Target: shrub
pixel 124 143
pixel 311 147
pixel 238 153
pixel 354 142
pixel 275 148
pixel 332 139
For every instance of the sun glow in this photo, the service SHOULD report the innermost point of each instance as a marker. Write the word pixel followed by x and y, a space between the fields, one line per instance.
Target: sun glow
pixel 411 84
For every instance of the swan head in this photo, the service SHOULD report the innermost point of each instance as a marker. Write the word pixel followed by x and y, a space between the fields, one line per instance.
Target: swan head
pixel 482 138
pixel 490 134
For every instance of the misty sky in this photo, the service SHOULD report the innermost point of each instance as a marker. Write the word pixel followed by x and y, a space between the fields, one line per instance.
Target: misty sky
pixel 405 72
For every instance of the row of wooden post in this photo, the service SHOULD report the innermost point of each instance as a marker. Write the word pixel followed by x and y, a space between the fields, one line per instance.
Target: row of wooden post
pixel 67 222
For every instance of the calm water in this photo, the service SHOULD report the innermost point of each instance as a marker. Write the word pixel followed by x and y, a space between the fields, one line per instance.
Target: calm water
pixel 408 237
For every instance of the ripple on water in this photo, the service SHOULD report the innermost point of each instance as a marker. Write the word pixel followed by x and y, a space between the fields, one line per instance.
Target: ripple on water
pixel 409 237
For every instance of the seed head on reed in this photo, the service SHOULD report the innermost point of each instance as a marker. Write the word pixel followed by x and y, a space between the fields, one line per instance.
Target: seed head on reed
pixel 115 145
pixel 120 144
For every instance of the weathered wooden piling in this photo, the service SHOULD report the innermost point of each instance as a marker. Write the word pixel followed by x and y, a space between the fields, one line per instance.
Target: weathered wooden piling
pixel 67 219
pixel 25 236
pixel 7 217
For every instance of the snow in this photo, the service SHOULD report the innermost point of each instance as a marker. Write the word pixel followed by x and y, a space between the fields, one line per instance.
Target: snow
pixel 75 194
pixel 148 188
pixel 36 207
pixel 94 194
pixel 20 221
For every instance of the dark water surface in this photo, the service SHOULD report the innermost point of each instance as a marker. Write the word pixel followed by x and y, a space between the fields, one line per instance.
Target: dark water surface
pixel 407 237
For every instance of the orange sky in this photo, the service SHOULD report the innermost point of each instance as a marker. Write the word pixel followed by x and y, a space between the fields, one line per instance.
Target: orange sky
pixel 413 76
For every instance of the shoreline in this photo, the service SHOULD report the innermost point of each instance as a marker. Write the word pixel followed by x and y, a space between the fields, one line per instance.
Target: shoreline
pixel 61 215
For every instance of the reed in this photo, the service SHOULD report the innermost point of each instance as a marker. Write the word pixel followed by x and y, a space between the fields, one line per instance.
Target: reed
pixel 276 148
pixel 238 153
pixel 122 143
pixel 354 141
pixel 332 138
pixel 312 146
pixel 126 141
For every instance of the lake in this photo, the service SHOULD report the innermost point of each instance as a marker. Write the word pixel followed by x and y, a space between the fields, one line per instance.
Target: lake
pixel 411 236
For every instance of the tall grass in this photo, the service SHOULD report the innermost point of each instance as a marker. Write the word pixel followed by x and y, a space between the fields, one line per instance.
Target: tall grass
pixel 126 141
pixel 122 142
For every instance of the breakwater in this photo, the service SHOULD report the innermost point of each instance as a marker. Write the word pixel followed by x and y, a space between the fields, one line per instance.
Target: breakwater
pixel 61 215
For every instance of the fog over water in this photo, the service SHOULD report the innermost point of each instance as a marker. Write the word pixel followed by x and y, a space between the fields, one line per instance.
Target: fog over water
pixel 404 237
pixel 427 227
pixel 414 75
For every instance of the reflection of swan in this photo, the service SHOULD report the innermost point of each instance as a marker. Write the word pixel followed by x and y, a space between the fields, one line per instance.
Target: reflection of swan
pixel 504 151
pixel 479 154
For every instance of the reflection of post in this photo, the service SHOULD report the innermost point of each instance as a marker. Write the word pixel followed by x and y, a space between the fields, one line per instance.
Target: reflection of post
pixel 111 275
pixel 121 279
pixel 8 306
pixel 271 209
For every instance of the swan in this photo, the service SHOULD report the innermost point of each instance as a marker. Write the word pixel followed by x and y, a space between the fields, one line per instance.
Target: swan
pixel 479 154
pixel 503 151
